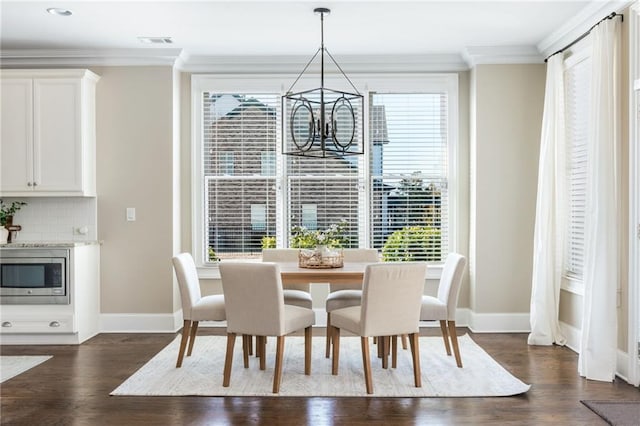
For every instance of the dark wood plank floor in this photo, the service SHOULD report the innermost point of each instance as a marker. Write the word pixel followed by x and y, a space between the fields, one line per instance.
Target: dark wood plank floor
pixel 73 389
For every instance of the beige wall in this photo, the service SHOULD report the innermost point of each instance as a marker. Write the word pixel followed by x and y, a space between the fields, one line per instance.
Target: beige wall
pixel 134 169
pixel 463 182
pixel 506 119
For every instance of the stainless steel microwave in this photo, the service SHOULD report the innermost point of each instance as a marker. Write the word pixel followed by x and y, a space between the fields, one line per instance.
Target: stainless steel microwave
pixel 34 276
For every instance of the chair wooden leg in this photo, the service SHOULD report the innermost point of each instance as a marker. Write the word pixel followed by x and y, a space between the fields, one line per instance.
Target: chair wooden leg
pixel 192 338
pixel 445 336
pixel 262 351
pixel 454 341
pixel 394 350
pixel 250 341
pixel 307 351
pixel 415 354
pixel 245 349
pixel 385 351
pixel 277 375
pixel 335 337
pixel 186 325
pixel 327 351
pixel 366 364
pixel 404 342
pixel 228 359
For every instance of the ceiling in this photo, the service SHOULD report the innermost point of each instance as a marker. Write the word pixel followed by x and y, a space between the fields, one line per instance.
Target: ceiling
pixel 290 28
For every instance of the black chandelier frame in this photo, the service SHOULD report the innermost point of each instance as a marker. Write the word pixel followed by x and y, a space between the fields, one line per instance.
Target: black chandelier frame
pixel 309 131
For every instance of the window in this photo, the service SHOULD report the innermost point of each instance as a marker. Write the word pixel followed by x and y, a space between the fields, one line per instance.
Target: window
pixel 258 217
pixel 409 174
pixel 577 76
pixel 226 163
pixel 310 216
pixel 245 189
pixel 239 191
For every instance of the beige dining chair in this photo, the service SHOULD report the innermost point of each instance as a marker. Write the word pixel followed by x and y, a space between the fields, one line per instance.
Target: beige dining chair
pixel 391 298
pixel 345 295
pixel 294 294
pixel 195 307
pixel 255 306
pixel 443 307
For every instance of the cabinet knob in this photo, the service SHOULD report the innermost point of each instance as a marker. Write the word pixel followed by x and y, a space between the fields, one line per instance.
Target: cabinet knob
pixel 28 183
pixel 35 183
pixel 7 324
pixel 54 324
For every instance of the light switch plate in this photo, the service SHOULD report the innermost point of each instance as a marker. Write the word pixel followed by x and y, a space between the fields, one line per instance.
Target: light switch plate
pixel 131 214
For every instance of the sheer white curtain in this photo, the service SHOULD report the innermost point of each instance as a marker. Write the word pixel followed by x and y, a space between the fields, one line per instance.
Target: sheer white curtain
pixel 549 233
pixel 601 263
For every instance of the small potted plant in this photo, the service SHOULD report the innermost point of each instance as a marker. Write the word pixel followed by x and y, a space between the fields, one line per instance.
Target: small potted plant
pixel 6 218
pixel 8 210
pixel 318 246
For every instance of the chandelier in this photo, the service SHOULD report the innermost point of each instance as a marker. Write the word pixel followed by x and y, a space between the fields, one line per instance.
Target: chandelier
pixel 322 122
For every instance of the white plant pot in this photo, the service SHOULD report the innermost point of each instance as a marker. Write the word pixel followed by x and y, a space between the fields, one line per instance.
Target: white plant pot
pixel 4 235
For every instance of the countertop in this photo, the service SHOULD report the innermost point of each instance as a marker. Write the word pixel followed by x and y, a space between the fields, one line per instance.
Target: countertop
pixel 36 244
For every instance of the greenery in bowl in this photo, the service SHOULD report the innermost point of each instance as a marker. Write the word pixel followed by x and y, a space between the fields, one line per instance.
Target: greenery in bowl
pixel 8 210
pixel 332 237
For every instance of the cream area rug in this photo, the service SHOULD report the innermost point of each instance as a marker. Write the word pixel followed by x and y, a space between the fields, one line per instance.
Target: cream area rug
pixel 11 366
pixel 201 373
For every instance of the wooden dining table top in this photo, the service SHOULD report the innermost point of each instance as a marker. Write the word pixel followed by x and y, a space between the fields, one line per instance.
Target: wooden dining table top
pixel 350 273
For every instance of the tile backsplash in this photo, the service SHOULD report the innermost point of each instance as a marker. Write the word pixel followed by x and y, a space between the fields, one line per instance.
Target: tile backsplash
pixel 56 219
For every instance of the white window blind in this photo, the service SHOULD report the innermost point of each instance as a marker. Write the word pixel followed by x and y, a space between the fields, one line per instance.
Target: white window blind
pixel 577 99
pixel 240 136
pixel 335 186
pixel 409 169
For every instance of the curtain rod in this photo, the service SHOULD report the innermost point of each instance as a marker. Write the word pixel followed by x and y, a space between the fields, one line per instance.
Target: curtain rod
pixel 611 16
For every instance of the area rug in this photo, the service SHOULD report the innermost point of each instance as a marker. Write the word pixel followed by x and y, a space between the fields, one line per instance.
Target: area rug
pixel 616 413
pixel 11 366
pixel 201 374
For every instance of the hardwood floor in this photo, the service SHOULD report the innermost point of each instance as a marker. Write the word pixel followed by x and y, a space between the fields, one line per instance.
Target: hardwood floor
pixel 73 388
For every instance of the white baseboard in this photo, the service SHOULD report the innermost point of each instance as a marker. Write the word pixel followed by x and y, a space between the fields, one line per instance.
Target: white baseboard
pixel 498 323
pixel 42 339
pixel 573 336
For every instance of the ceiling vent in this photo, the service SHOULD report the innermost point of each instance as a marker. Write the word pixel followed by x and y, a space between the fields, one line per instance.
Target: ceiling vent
pixel 155 40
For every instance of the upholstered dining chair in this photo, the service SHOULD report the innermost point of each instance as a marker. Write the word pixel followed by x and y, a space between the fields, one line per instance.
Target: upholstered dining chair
pixel 195 308
pixel 391 301
pixel 255 306
pixel 294 294
pixel 345 295
pixel 443 307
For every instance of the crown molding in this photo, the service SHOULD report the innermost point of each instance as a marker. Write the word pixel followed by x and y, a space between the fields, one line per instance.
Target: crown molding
pixel 293 64
pixel 82 58
pixel 479 55
pixel 579 24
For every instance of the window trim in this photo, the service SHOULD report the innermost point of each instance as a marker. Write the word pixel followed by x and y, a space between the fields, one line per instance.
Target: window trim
pixel 272 83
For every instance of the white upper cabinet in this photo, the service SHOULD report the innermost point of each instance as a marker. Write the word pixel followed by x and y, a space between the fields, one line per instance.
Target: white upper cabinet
pixel 48 133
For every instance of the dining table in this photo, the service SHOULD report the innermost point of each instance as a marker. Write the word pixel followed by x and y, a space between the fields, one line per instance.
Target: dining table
pixel 349 273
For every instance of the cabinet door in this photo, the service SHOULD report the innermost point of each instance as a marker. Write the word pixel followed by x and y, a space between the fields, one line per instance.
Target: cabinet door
pixel 16 143
pixel 57 135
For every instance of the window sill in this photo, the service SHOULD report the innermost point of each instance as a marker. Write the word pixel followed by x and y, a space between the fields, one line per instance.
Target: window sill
pixel 572 286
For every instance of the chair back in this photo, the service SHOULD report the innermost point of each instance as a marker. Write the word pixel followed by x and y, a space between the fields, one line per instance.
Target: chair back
pixel 285 255
pixel 253 296
pixel 392 298
pixel 450 283
pixel 188 282
pixel 356 255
